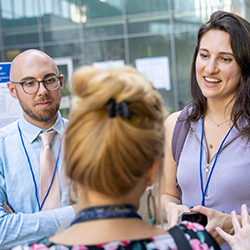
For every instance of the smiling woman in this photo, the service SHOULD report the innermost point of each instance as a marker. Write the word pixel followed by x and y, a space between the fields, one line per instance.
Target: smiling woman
pixel 215 152
pixel 217 71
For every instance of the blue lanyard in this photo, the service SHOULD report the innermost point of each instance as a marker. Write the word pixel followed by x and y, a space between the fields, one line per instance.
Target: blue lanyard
pixel 106 212
pixel 212 169
pixel 32 173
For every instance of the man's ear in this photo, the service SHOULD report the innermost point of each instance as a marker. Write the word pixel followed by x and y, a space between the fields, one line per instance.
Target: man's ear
pixel 61 80
pixel 12 89
pixel 152 170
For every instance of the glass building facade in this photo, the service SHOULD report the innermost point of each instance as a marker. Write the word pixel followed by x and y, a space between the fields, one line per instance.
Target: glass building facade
pixel 82 32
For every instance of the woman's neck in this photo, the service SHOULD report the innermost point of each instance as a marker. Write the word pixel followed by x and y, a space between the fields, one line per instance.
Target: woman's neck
pixel 219 110
pixel 92 199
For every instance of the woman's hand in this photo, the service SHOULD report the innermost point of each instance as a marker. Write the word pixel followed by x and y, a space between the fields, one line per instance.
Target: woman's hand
pixel 241 239
pixel 173 211
pixel 216 219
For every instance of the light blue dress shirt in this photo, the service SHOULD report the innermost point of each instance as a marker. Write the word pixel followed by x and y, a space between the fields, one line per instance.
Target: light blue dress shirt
pixel 17 186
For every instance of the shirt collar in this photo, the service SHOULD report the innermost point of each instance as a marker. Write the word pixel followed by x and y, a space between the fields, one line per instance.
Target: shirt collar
pixel 31 131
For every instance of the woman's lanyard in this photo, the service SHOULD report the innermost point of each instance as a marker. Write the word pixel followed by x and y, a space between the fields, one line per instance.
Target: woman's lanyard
pixel 212 169
pixel 32 173
pixel 105 212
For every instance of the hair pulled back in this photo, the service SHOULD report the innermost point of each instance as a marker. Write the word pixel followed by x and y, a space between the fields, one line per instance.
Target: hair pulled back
pixel 106 154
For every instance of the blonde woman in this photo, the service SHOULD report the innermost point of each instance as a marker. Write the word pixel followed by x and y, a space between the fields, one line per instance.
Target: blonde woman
pixel 114 144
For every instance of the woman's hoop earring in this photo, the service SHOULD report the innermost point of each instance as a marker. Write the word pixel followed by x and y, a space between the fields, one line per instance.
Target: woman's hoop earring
pixel 73 194
pixel 150 215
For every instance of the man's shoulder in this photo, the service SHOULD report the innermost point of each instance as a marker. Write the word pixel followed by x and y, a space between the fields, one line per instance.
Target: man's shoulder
pixel 65 120
pixel 9 129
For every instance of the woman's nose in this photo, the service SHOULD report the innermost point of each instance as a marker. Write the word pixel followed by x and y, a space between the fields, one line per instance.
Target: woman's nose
pixel 212 67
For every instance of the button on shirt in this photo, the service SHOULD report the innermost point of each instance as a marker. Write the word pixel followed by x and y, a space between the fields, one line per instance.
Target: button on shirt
pixel 17 187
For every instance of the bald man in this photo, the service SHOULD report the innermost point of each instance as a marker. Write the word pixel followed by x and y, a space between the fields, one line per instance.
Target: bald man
pixel 36 83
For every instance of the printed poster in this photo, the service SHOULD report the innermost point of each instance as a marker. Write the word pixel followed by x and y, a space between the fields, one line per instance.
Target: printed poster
pixel 156 69
pixel 10 109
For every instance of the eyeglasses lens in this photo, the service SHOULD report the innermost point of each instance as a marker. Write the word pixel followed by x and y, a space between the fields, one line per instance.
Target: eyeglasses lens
pixel 31 86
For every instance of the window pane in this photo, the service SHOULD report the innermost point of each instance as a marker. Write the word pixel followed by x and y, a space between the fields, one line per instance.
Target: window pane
pixel 18 13
pixel 143 6
pixel 18 37
pixel 64 50
pixel 154 24
pixel 60 11
pixel 105 51
pixel 10 54
pixel 248 14
pixel 99 9
pixel 102 29
pixel 1 57
pixel 61 33
pixel 6 9
pixel 185 5
pixel 154 46
pixel 144 47
pixel 185 45
pixel 203 9
pixel 187 21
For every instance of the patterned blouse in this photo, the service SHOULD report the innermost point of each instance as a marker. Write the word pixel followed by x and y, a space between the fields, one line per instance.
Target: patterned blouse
pixel 195 233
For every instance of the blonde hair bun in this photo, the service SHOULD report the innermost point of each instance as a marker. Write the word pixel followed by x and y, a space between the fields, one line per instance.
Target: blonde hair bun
pixel 109 154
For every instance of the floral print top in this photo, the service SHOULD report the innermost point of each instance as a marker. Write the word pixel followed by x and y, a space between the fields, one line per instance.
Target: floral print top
pixel 197 236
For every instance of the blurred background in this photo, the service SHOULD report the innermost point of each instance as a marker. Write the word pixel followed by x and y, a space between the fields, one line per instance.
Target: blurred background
pixel 156 36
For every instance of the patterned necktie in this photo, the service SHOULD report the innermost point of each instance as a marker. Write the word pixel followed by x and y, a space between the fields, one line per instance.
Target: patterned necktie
pixel 47 167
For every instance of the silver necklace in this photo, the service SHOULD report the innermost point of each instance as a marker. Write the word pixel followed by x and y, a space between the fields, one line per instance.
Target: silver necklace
pixel 217 124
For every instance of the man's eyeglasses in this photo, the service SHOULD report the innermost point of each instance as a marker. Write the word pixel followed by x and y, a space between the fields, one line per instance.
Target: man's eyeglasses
pixel 31 86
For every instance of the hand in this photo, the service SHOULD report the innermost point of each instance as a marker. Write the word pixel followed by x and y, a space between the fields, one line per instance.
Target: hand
pixel 241 239
pixel 173 211
pixel 215 219
pixel 7 208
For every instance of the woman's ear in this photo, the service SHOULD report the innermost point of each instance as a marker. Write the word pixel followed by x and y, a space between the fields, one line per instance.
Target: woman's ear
pixel 152 170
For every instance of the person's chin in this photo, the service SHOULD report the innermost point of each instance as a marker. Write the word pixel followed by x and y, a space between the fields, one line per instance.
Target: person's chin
pixel 46 113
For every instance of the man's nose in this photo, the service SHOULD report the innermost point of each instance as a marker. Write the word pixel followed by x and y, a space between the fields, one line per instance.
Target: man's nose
pixel 42 90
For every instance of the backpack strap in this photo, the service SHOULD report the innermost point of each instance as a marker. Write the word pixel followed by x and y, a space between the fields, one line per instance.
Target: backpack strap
pixel 178 233
pixel 179 238
pixel 179 134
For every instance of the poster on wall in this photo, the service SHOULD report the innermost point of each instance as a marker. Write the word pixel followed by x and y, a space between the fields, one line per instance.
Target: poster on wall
pixel 156 69
pixel 10 109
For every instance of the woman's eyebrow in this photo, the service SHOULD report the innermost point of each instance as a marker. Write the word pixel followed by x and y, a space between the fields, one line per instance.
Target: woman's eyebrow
pixel 222 52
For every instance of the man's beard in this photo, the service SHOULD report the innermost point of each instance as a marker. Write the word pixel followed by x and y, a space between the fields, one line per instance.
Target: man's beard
pixel 43 115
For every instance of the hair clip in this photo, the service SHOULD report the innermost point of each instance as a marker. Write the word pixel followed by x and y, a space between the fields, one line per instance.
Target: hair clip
pixel 118 109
